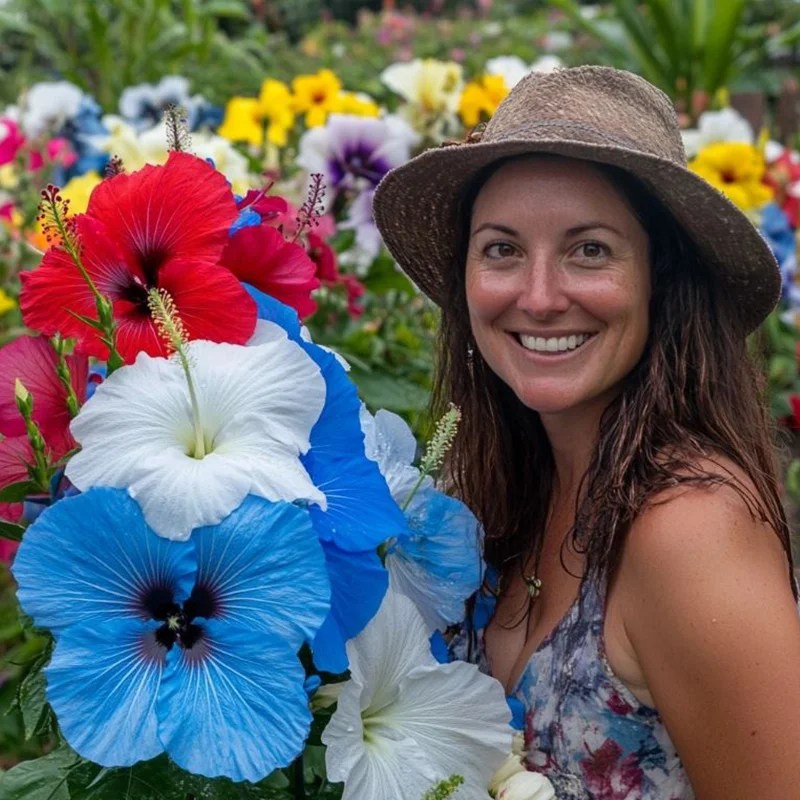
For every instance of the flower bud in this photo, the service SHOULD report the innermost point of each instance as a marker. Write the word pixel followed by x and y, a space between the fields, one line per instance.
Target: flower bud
pixel 511 766
pixel 20 392
pixel 526 786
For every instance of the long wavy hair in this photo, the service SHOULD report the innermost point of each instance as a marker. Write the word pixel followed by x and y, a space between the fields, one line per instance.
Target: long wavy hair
pixel 695 395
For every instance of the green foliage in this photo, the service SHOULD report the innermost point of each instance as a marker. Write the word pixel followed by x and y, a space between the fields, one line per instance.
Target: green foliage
pixel 680 45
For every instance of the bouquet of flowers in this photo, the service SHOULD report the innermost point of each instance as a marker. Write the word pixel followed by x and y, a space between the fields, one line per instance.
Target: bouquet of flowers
pixel 234 570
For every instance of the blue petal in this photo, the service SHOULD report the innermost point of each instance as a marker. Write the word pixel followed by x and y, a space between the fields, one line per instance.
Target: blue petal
pixel 361 513
pixel 439 648
pixel 273 310
pixel 517 708
pixel 439 564
pixel 92 557
pixel 234 704
pixel 247 219
pixel 102 683
pixel 358 584
pixel 265 570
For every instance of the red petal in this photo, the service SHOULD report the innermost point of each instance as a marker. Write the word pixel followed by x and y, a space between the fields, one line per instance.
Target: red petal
pixel 261 257
pixel 181 209
pixel 212 304
pixel 34 362
pixel 16 452
pixel 263 204
pixel 324 257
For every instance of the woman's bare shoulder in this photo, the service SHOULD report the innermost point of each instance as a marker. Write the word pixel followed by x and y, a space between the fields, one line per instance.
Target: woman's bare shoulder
pixel 707 606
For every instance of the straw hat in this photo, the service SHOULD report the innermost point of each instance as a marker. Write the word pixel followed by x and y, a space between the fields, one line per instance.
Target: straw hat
pixel 595 113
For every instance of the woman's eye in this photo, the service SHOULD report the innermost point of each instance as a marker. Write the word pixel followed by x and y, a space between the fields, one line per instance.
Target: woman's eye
pixel 592 250
pixel 500 250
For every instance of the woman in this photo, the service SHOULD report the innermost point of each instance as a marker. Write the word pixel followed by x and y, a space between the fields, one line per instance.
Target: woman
pixel 595 300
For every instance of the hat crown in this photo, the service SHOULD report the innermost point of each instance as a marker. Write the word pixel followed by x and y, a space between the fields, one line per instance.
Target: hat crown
pixel 598 104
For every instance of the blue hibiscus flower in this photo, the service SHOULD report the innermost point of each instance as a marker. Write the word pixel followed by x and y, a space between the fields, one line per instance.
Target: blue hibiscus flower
pixel 184 647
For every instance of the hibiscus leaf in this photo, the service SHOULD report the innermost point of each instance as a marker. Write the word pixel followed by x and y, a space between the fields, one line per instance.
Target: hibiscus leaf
pixel 11 531
pixel 32 701
pixel 17 492
pixel 40 779
pixel 93 323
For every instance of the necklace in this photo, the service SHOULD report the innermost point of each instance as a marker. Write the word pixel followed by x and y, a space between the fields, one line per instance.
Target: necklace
pixel 533 584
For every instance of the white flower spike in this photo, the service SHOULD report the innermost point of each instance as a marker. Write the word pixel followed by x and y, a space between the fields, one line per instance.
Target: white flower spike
pixel 257 406
pixel 405 722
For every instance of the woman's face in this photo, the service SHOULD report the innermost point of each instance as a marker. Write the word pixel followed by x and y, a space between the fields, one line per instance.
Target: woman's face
pixel 558 283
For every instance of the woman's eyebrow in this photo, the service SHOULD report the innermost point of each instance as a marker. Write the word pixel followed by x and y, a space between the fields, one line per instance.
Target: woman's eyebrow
pixel 579 229
pixel 495 226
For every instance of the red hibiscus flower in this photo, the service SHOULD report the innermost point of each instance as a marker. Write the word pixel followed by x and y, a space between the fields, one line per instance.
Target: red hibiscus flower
pixel 783 175
pixel 260 256
pixel 162 227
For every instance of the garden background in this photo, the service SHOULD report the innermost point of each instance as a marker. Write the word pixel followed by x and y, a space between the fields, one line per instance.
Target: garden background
pixel 274 91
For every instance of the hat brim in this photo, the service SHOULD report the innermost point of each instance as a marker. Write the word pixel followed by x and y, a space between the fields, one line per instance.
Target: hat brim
pixel 416 208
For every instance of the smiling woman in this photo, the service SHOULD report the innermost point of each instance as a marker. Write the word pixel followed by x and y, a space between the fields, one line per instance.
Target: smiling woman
pixel 596 297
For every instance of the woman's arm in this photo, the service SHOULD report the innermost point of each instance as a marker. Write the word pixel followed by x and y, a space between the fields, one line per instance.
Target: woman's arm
pixel 707 605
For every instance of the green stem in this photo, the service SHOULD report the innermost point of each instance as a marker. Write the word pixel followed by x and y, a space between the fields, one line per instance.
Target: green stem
pixel 422 475
pixel 65 376
pixel 199 439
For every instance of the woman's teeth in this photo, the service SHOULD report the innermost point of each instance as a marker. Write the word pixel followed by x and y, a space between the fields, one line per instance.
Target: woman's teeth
pixel 554 345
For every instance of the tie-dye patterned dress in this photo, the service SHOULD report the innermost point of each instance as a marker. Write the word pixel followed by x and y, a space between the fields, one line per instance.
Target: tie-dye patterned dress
pixel 584 729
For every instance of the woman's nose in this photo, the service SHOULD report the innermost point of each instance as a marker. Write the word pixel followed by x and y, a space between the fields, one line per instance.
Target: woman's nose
pixel 541 293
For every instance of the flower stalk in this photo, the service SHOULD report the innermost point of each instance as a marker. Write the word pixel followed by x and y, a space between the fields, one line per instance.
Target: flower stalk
pixel 445 789
pixel 441 441
pixel 171 328
pixel 53 214
pixel 39 471
pixel 64 375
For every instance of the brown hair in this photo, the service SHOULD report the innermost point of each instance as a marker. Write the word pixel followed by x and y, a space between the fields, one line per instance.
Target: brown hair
pixel 695 394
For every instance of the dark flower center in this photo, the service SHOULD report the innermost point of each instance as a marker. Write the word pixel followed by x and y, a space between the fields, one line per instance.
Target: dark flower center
pixel 179 626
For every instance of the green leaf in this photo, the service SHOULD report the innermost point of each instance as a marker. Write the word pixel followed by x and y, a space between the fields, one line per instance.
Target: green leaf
pixel 792 480
pixel 41 779
pixel 32 700
pixel 385 391
pixel 11 531
pixel 720 52
pixel 17 492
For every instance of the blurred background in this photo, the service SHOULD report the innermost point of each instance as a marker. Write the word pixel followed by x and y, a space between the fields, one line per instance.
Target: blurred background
pixel 274 90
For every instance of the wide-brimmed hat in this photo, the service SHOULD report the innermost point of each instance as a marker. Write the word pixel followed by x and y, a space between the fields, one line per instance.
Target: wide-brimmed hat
pixel 595 113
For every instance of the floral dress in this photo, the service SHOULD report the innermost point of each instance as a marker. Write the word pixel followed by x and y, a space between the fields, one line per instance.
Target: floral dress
pixel 584 729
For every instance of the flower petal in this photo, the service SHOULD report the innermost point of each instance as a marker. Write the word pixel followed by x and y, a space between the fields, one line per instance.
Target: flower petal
pixel 260 256
pixel 234 704
pixel 438 563
pixel 102 683
pixel 358 584
pixel 264 568
pixel 91 558
pixel 33 360
pixel 336 462
pixel 181 209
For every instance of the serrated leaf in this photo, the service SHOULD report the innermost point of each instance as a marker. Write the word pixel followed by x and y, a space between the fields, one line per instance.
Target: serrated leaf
pixel 40 779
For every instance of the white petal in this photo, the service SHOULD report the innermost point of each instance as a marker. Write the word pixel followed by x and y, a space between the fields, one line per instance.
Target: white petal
pixel 393 644
pixel 459 716
pixel 404 78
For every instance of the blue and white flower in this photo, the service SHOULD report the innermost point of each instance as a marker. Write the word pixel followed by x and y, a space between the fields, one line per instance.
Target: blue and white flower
pixel 437 562
pixel 184 647
pixel 360 513
pixel 143 105
pixel 47 106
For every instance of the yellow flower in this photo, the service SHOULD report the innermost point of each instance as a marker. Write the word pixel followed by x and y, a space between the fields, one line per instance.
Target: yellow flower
pixel 316 95
pixel 245 116
pixel 8 177
pixel 6 302
pixel 480 99
pixel 242 122
pixel 78 190
pixel 736 169
pixel 275 103
pixel 359 106
pixel 433 86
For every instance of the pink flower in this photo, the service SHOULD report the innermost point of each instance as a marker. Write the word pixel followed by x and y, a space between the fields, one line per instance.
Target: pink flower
pixel 11 140
pixel 56 151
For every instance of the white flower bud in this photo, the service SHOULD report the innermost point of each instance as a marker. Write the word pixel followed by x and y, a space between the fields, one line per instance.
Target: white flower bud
pixel 526 786
pixel 518 745
pixel 511 766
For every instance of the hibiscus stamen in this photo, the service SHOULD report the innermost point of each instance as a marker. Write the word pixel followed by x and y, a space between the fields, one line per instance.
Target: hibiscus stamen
pixel 171 329
pixel 312 209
